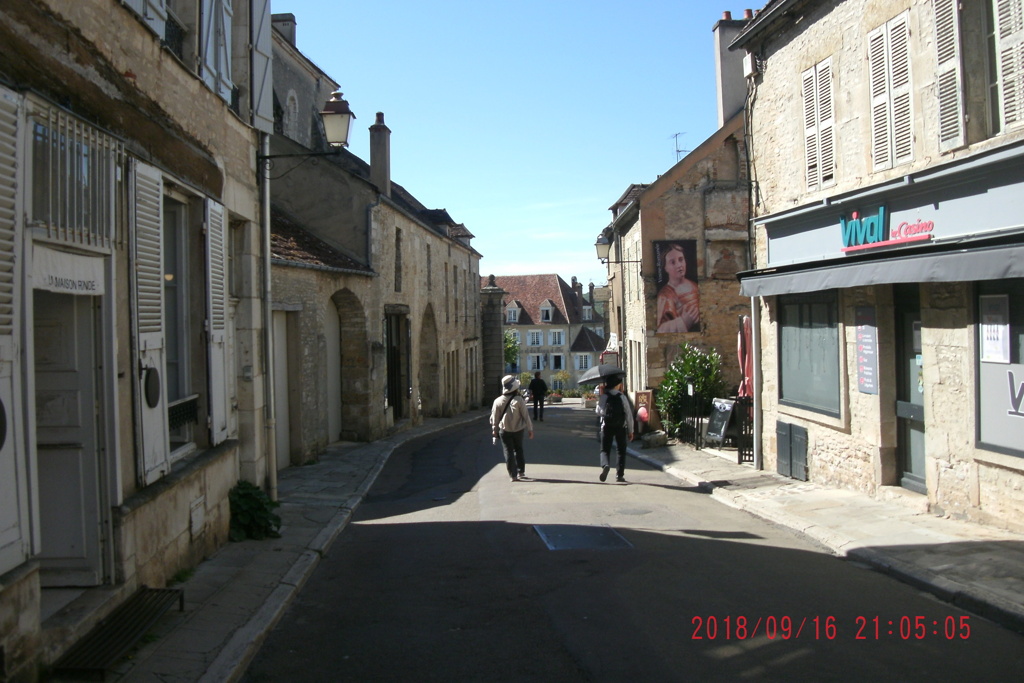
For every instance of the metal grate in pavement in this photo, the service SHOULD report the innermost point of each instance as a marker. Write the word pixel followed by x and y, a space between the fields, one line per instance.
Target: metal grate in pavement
pixel 105 644
pixel 579 537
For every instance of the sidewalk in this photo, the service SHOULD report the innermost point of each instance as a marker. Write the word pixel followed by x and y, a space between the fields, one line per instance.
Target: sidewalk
pixel 234 599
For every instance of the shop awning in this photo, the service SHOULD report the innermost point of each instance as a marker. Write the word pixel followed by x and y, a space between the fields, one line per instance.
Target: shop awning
pixel 995 262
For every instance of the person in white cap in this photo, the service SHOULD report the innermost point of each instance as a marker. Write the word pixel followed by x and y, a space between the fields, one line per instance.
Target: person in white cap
pixel 510 418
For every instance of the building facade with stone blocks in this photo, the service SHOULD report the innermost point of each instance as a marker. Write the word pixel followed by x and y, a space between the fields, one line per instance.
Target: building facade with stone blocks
pixel 886 146
pixel 685 232
pixel 131 325
pixel 556 325
pixel 376 299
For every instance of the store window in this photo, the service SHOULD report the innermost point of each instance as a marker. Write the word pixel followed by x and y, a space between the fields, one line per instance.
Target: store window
pixel 1001 366
pixel 809 352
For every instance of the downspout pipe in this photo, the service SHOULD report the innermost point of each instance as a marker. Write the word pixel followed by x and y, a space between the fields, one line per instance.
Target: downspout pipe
pixel 270 424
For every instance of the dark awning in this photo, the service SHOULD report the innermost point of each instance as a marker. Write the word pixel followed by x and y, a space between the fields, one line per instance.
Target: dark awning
pixel 994 262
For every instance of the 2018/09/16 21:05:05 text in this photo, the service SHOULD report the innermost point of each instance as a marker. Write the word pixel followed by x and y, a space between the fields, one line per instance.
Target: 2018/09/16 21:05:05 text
pixel 828 628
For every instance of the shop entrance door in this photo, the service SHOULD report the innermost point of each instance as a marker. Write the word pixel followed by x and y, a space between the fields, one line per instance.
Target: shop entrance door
pixel 909 389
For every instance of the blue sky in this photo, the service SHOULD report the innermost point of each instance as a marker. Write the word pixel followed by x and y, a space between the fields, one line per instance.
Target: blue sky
pixel 524 120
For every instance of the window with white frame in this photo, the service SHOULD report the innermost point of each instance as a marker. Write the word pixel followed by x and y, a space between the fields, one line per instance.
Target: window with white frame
pixel 889 83
pixel 516 336
pixel 545 314
pixel 588 313
pixel 583 361
pixel 535 338
pixel 557 362
pixel 556 337
pixel 512 315
pixel 819 129
pixel 536 362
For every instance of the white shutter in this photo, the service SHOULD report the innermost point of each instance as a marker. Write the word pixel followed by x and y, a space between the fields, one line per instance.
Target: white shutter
pixel 153 12
pixel 900 81
pixel 949 74
pixel 224 24
pixel 151 371
pixel 1010 38
pixel 811 156
pixel 15 536
pixel 216 321
pixel 878 84
pixel 262 69
pixel 826 123
pixel 208 18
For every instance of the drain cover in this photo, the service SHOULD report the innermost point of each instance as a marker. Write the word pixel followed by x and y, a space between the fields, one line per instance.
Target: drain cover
pixel 575 537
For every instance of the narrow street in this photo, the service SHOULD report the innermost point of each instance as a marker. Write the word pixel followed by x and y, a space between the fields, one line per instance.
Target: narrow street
pixel 444 575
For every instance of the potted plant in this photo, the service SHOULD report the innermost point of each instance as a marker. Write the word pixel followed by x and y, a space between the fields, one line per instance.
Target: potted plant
pixel 555 397
pixel 589 399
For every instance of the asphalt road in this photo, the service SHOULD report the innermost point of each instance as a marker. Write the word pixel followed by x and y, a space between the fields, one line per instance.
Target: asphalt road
pixel 445 575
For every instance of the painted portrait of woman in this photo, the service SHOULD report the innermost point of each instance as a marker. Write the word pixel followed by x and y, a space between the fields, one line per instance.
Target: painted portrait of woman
pixel 678 296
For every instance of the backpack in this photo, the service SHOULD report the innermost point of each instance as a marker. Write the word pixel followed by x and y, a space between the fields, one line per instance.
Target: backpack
pixel 615 411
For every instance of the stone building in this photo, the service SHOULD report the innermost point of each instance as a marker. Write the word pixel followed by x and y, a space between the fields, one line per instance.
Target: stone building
pixel 887 147
pixel 695 214
pixel 556 325
pixel 376 303
pixel 131 376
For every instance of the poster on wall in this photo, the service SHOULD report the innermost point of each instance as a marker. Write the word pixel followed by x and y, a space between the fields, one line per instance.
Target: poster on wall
pixel 995 328
pixel 678 296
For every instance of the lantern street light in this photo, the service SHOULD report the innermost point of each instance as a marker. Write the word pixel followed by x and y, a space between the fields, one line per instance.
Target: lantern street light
pixel 604 248
pixel 337 119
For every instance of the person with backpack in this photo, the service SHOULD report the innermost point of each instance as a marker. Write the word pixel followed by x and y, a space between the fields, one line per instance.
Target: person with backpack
pixel 616 415
pixel 510 419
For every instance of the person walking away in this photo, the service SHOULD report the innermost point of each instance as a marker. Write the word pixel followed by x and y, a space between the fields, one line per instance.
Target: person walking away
pixel 616 415
pixel 510 420
pixel 538 390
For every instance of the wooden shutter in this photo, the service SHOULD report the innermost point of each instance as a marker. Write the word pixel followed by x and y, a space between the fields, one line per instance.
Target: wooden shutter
pixel 15 535
pixel 153 13
pixel 151 370
pixel 225 18
pixel 826 123
pixel 262 71
pixel 216 321
pixel 811 155
pixel 1010 38
pixel 878 83
pixel 900 82
pixel 949 75
pixel 208 18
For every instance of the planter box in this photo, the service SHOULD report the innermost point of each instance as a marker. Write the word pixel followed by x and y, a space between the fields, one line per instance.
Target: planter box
pixel 554 399
pixel 590 403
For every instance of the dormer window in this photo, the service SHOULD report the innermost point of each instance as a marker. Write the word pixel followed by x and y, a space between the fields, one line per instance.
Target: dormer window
pixel 588 313
pixel 545 314
pixel 512 315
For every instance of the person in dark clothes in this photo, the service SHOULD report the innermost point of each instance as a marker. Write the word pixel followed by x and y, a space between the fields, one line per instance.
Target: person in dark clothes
pixel 538 390
pixel 616 425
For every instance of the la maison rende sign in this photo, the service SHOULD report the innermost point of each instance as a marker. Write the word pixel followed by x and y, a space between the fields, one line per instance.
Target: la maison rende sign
pixel 873 231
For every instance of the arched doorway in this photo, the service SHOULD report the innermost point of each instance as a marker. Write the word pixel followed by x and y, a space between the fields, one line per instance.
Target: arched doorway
pixel 430 366
pixel 352 387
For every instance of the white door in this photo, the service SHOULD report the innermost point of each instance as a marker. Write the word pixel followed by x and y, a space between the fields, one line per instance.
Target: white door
pixel 282 416
pixel 66 431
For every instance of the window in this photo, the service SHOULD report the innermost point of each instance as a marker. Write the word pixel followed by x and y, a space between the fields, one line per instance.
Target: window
pixel 176 278
pixel 588 313
pixel 892 134
pixel 557 361
pixel 535 338
pixel 809 352
pixel 583 361
pixel 398 263
pixel 1001 365
pixel 557 337
pixel 545 314
pixel 819 137
pixel 536 362
pixel 512 315
pixel 515 335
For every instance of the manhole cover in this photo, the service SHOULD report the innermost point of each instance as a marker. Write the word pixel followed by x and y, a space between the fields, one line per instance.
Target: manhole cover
pixel 575 537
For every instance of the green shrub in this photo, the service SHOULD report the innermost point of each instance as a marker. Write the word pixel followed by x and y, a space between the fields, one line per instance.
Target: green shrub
pixel 251 513
pixel 701 367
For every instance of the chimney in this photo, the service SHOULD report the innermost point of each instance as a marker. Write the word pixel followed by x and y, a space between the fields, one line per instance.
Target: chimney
pixel 577 289
pixel 380 155
pixel 591 294
pixel 285 23
pixel 732 86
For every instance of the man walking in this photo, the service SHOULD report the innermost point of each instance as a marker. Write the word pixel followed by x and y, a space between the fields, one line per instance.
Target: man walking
pixel 538 390
pixel 616 425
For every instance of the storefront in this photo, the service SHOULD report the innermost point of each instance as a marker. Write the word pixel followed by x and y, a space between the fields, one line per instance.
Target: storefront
pixel 892 349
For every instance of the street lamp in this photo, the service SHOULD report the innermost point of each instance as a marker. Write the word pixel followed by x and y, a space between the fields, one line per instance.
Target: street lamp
pixel 604 248
pixel 337 119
